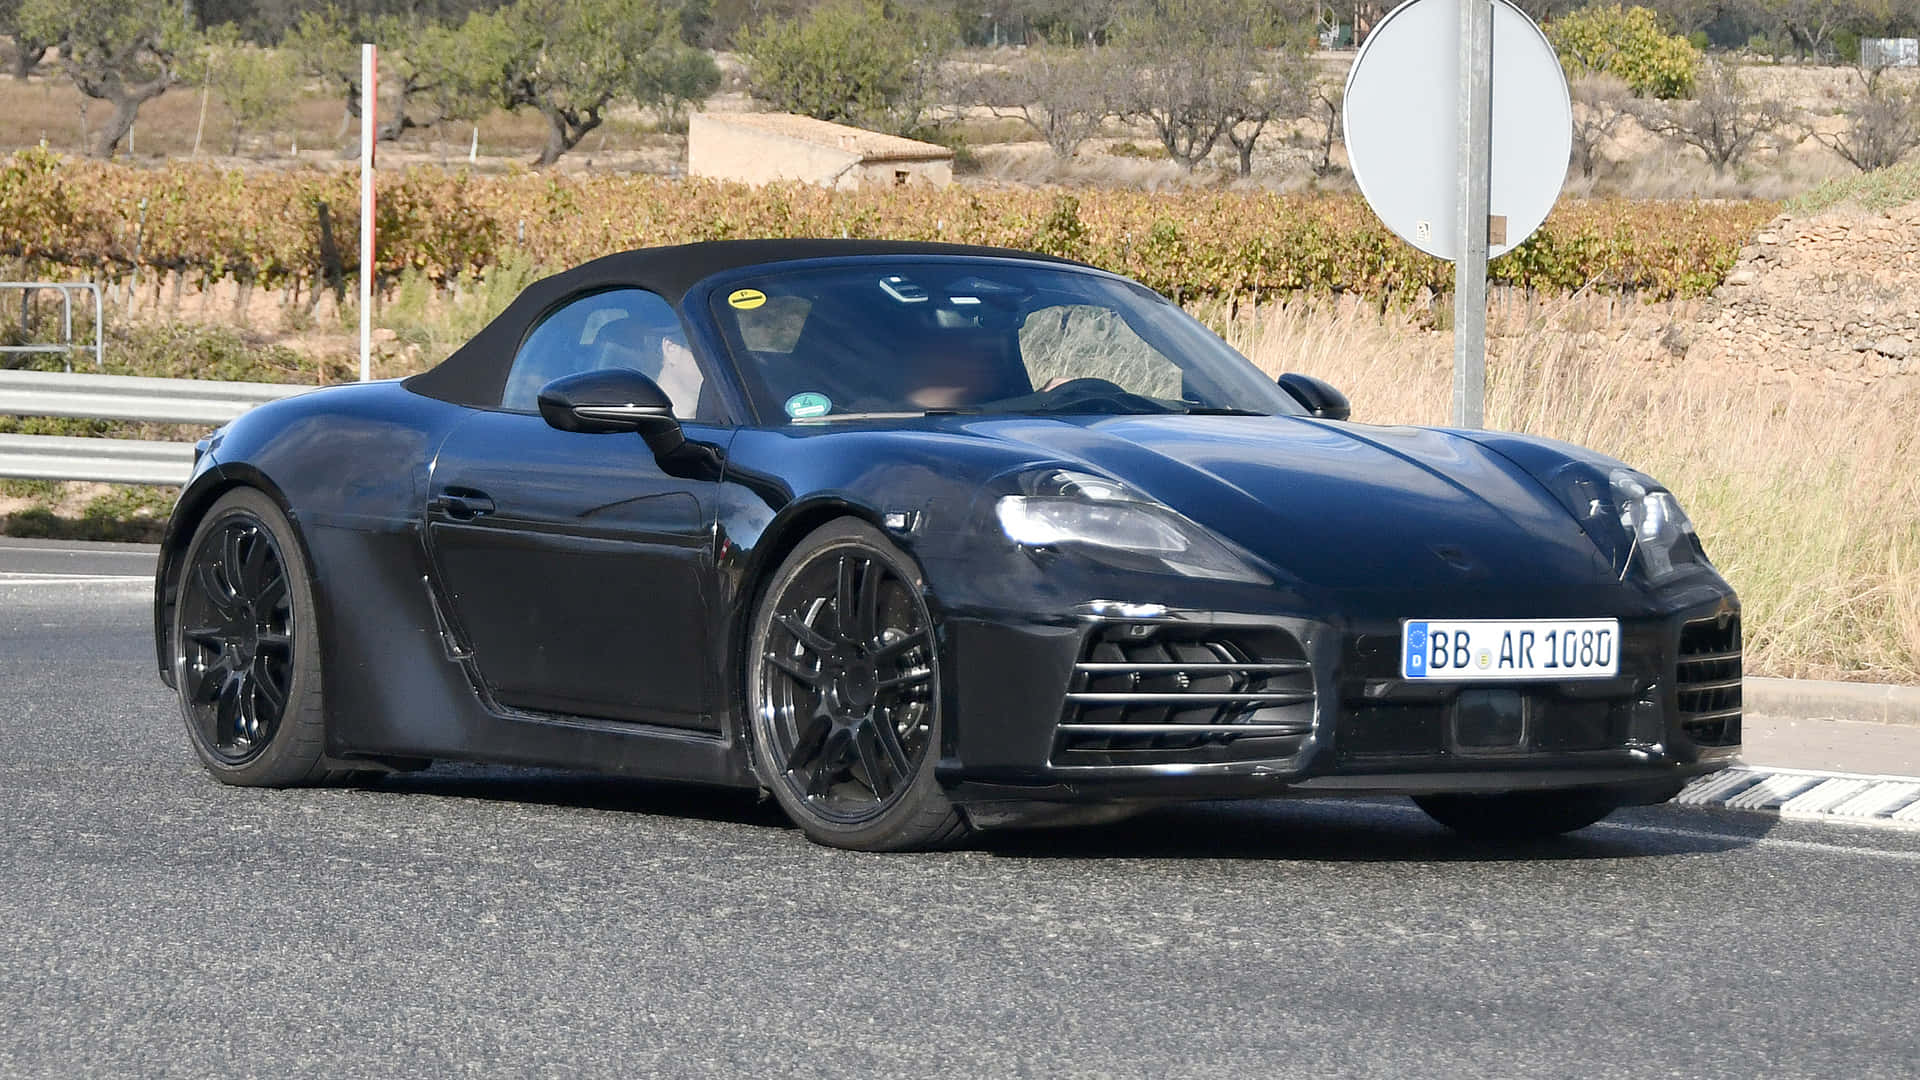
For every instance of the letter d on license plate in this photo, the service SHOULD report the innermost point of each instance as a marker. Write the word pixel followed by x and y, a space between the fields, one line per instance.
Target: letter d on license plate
pixel 1490 650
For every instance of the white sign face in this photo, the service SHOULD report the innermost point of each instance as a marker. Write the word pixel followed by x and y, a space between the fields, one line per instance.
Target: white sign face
pixel 1403 128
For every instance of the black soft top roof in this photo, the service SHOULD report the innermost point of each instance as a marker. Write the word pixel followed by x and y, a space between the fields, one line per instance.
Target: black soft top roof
pixel 476 373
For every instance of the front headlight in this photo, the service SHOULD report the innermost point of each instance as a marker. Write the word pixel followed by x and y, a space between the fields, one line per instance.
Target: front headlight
pixel 1659 532
pixel 1114 525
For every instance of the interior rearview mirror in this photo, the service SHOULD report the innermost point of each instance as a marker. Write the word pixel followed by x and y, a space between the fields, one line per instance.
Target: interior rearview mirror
pixel 1317 396
pixel 611 401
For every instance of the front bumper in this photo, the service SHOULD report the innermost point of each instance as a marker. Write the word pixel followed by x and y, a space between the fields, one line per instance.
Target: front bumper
pixel 1322 709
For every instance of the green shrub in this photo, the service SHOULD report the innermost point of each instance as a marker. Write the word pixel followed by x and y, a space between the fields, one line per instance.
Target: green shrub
pixel 1846 46
pixel 192 350
pixel 1629 43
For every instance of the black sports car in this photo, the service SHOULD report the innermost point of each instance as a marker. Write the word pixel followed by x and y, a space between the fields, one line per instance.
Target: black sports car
pixel 925 538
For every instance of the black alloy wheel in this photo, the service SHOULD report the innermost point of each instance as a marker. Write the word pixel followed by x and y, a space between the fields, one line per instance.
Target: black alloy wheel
pixel 237 623
pixel 843 680
pixel 245 661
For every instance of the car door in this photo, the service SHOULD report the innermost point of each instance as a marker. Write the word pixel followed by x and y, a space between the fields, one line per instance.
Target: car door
pixel 574 567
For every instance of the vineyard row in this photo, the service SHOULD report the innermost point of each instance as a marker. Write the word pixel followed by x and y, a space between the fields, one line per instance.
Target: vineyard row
pixel 280 228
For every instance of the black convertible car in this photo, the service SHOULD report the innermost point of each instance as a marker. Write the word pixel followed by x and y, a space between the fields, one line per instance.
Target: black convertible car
pixel 925 538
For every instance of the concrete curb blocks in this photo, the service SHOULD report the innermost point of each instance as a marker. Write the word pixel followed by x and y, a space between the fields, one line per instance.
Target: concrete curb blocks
pixel 1811 699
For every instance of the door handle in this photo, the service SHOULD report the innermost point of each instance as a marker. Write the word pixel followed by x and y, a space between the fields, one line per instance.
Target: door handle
pixel 462 504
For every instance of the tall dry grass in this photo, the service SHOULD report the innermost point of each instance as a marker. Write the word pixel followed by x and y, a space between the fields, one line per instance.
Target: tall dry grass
pixel 1806 494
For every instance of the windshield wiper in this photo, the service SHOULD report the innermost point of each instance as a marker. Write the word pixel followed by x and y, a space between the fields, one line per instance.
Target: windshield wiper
pixel 1210 410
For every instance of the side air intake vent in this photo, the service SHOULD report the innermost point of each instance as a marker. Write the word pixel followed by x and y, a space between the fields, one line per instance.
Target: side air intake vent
pixel 1144 692
pixel 1708 681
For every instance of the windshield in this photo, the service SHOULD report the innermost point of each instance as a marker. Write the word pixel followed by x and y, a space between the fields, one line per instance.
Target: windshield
pixel 904 336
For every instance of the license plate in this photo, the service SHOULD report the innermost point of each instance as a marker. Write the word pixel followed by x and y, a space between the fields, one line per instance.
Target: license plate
pixel 1487 650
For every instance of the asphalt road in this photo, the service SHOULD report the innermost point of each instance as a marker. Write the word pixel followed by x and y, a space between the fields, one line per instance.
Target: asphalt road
pixel 492 922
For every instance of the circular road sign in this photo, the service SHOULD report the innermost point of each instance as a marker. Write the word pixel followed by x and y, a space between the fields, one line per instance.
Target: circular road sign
pixel 1403 128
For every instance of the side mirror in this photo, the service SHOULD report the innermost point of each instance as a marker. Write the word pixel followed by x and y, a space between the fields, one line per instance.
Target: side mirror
pixel 1317 396
pixel 610 401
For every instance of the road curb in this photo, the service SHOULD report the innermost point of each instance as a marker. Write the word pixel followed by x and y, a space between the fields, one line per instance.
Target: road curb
pixel 1812 699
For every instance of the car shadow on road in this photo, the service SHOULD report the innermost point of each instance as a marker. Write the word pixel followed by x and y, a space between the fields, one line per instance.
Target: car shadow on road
pixel 1317 830
pixel 1331 830
pixel 695 802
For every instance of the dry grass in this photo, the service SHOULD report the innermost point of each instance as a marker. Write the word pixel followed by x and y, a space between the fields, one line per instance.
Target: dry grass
pixel 1804 494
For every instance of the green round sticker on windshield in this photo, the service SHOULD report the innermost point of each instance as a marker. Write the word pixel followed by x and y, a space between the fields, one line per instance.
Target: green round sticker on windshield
pixel 808 405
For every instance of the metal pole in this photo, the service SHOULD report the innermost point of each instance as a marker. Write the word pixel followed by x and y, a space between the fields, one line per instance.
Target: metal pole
pixel 1470 213
pixel 369 128
pixel 99 326
pixel 66 324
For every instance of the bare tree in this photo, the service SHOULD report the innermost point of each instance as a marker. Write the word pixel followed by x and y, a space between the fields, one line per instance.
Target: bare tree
pixel 1062 94
pixel 1724 121
pixel 1600 103
pixel 1883 123
pixel 1277 91
pixel 1329 101
pixel 1207 70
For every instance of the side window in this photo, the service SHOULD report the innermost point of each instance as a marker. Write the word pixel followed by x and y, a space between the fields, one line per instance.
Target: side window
pixel 619 328
pixel 1079 341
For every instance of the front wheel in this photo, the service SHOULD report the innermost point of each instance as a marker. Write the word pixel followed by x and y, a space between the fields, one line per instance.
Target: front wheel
pixel 246 655
pixel 843 689
pixel 1518 815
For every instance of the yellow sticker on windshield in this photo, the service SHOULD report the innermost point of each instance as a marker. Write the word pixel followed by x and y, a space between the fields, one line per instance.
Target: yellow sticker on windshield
pixel 746 299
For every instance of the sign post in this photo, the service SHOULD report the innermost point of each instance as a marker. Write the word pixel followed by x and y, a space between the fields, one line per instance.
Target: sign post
pixel 369 132
pixel 1474 181
pixel 1460 148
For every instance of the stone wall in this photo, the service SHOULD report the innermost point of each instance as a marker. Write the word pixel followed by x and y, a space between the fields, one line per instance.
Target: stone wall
pixel 1834 296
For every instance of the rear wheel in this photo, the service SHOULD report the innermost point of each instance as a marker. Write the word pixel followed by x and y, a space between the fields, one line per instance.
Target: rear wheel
pixel 1518 815
pixel 843 685
pixel 246 656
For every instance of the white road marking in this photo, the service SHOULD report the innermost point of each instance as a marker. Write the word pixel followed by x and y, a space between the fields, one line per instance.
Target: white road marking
pixel 1741 839
pixel 21 577
pixel 1761 841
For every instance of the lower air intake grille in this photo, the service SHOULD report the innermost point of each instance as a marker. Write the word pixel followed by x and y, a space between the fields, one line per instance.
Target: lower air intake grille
pixel 1708 681
pixel 1148 693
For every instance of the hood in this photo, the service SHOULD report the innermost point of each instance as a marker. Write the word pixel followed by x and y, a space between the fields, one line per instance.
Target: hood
pixel 1338 505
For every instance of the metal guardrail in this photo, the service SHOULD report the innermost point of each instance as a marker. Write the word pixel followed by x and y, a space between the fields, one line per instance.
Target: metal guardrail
pixel 109 461
pixel 66 345
pixel 117 397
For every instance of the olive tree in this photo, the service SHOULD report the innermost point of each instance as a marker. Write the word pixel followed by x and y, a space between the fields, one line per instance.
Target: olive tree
pixel 28 50
pixel 857 61
pixel 257 86
pixel 125 53
pixel 419 59
pixel 570 59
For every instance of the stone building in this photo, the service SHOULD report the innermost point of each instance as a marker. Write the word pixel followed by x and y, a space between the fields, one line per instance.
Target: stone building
pixel 757 148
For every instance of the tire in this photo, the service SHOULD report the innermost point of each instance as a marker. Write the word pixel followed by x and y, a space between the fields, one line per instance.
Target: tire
pixel 845 713
pixel 246 651
pixel 1518 816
